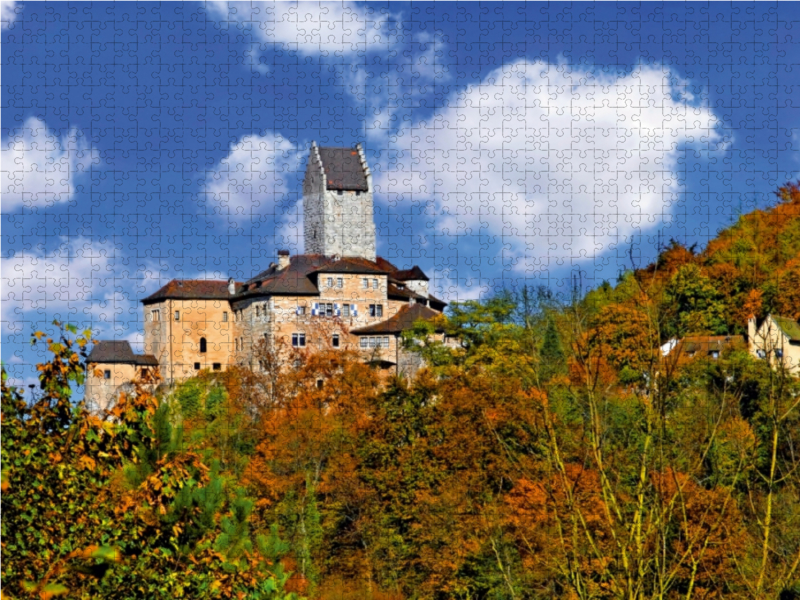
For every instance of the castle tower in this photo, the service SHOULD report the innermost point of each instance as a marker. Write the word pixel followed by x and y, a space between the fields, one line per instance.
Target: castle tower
pixel 337 199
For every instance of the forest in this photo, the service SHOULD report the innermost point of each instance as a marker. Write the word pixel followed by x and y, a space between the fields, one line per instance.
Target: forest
pixel 554 452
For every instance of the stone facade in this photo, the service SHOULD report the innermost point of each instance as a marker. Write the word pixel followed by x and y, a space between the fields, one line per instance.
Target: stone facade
pixel 338 296
pixel 338 204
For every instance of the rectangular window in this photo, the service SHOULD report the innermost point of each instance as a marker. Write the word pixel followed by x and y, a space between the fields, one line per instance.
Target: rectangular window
pixel 224 316
pixel 339 282
pixel 372 342
pixel 335 340
pixel 386 341
pixel 258 311
pixel 374 284
pixel 330 282
pixel 329 310
pixel 106 374
pixel 365 283
pixel 177 315
pixel 364 342
pixel 345 310
pixel 155 315
pixel 376 310
pixel 298 340
pixel 236 344
pixel 217 366
pixel 778 354
pixel 301 310
pixel 196 366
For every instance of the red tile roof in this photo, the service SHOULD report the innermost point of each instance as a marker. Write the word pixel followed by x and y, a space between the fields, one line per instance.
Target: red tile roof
pixel 402 321
pixel 191 289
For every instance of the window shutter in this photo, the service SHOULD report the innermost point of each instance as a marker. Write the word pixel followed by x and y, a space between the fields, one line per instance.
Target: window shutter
pixel 315 309
pixel 337 310
pixel 354 309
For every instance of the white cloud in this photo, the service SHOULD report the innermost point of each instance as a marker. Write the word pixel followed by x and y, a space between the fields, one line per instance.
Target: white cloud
pixel 311 27
pixel 75 283
pixel 8 12
pixel 253 178
pixel 41 169
pixel 552 164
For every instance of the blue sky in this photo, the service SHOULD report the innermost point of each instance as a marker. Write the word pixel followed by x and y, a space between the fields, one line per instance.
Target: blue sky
pixel 511 143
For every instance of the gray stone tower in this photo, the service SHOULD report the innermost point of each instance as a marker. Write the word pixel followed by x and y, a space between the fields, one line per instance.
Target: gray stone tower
pixel 337 203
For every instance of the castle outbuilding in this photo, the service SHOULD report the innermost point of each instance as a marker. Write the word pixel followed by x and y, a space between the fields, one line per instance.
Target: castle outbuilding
pixel 338 295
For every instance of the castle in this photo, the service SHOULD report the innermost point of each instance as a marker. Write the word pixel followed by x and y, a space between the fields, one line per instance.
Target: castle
pixel 338 295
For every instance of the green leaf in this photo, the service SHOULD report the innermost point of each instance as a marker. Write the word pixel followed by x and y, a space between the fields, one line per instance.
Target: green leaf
pixel 54 589
pixel 107 553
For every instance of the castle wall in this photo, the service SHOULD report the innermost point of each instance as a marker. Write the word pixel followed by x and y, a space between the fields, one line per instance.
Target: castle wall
pixel 101 391
pixel 279 318
pixel 176 343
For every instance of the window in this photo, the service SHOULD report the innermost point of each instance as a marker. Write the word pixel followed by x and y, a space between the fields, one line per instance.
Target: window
pixel 301 310
pixel 339 192
pixel 365 283
pixel 374 284
pixel 778 353
pixel 345 310
pixel 225 316
pixel 196 366
pixel 339 282
pixel 372 342
pixel 298 340
pixel 376 310
pixel 217 366
pixel 386 341
pixel 761 354
pixel 177 315
pixel 714 354
pixel 106 374
pixel 325 309
pixel 364 342
pixel 258 310
pixel 155 315
pixel 335 340
pixel 203 346
pixel 330 282
pixel 320 383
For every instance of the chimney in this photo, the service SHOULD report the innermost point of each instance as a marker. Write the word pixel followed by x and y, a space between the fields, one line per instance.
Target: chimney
pixel 751 329
pixel 283 259
pixel 231 286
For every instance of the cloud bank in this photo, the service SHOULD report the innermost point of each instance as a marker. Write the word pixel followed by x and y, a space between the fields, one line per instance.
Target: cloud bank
pixel 552 163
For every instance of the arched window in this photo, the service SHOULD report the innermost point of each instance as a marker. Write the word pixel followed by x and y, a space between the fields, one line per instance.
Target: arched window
pixel 202 345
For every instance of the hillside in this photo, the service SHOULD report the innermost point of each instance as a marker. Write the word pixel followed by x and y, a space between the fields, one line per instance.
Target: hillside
pixel 552 453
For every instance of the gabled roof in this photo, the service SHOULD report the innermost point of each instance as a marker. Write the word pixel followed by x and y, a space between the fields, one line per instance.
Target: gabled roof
pixel 402 321
pixel 120 352
pixel 412 274
pixel 789 327
pixel 704 345
pixel 343 169
pixel 294 279
pixel 191 289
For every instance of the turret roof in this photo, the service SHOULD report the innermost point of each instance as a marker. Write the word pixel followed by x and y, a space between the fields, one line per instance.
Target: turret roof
pixel 343 169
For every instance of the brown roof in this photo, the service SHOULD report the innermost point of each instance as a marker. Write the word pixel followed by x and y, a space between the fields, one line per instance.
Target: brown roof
pixel 119 351
pixel 299 277
pixel 403 320
pixel 343 169
pixel 191 289
pixel 698 346
pixel 352 265
pixel 412 274
pixel 294 279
